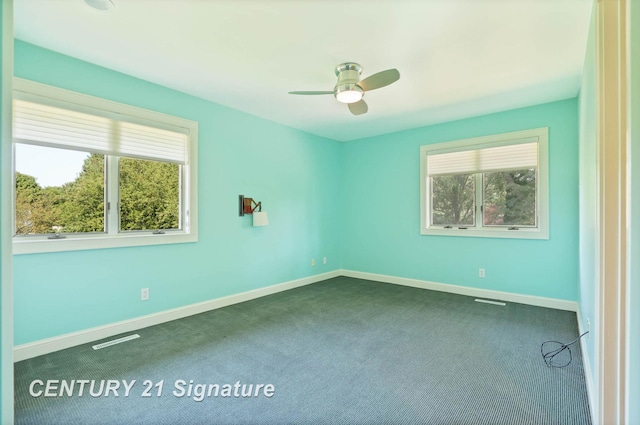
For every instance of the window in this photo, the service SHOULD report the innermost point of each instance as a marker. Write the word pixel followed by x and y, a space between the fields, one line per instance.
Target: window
pixel 91 173
pixel 493 186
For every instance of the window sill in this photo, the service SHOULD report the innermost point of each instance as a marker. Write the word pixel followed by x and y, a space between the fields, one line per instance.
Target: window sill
pixel 523 233
pixel 30 245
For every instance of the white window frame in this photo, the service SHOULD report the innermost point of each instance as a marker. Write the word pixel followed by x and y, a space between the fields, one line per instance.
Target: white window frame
pixel 114 238
pixel 540 231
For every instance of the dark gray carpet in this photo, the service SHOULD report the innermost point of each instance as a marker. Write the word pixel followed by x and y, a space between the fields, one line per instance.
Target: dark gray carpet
pixel 343 351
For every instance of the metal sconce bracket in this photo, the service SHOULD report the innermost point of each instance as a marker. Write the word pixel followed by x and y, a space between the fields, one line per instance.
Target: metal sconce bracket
pixel 246 205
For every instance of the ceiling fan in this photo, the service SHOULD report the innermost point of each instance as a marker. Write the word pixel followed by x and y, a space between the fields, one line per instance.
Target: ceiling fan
pixel 350 88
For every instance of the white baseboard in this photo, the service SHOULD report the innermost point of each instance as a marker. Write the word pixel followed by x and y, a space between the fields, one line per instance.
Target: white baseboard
pixel 49 345
pixel 586 365
pixel 465 290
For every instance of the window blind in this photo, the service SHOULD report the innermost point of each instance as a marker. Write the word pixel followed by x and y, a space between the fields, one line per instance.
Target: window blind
pixel 50 126
pixel 500 158
pixel 140 141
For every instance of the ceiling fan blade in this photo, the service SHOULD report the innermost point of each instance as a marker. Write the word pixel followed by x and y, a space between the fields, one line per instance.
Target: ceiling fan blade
pixel 358 108
pixel 381 79
pixel 311 92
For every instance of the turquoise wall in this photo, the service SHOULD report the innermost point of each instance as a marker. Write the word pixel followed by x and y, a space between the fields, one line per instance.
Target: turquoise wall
pixel 633 392
pixel 381 210
pixel 3 255
pixel 363 217
pixel 588 201
pixel 296 176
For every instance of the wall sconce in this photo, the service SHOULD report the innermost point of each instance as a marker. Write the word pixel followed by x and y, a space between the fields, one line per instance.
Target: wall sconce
pixel 249 206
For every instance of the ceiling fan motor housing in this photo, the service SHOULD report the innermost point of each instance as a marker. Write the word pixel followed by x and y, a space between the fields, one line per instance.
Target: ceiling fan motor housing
pixel 348 78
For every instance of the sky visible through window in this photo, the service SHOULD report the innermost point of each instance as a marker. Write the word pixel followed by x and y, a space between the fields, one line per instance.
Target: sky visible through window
pixel 50 166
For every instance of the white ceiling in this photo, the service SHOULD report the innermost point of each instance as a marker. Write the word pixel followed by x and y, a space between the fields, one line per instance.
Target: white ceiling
pixel 457 58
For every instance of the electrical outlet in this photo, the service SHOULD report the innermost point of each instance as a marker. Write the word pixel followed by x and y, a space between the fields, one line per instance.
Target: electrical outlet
pixel 144 294
pixel 313 262
pixel 480 272
pixel 324 260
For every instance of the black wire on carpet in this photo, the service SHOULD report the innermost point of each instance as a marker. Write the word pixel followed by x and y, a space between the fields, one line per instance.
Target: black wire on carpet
pixel 558 354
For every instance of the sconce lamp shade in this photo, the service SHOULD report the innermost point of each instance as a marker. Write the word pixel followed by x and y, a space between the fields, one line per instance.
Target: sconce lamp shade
pixel 260 218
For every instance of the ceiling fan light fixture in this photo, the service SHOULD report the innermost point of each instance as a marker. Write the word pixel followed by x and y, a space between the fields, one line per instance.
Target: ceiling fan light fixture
pixel 350 87
pixel 101 4
pixel 349 93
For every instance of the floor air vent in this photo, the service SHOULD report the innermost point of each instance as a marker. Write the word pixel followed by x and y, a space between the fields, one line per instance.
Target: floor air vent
pixel 480 300
pixel 115 341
